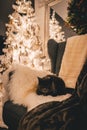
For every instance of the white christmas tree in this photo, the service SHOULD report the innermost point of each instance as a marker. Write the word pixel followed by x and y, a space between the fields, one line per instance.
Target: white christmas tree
pixel 55 30
pixel 23 45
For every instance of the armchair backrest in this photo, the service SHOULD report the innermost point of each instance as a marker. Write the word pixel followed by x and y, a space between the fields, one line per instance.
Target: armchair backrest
pixel 56 52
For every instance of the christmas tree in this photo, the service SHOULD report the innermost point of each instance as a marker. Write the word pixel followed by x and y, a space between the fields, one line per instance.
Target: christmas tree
pixel 55 30
pixel 77 15
pixel 23 45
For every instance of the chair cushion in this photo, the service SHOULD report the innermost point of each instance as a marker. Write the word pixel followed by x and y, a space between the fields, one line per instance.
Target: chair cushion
pixel 1 128
pixel 12 113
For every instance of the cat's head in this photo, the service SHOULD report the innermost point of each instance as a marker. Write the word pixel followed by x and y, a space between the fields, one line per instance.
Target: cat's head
pixel 50 85
pixel 44 86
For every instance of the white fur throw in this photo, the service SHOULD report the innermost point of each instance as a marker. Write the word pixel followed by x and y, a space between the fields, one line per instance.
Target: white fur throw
pixel 73 59
pixel 21 88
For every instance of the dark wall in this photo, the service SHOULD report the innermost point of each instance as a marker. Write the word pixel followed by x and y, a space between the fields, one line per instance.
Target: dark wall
pixel 68 32
pixel 2 40
pixel 6 9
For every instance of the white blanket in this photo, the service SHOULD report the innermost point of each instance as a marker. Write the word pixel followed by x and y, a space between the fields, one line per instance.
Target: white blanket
pixel 21 89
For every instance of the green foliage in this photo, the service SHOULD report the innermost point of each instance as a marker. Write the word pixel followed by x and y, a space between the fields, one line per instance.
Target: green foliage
pixel 77 15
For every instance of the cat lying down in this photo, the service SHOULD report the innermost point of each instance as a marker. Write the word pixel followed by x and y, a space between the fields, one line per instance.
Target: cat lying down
pixel 52 85
pixel 22 84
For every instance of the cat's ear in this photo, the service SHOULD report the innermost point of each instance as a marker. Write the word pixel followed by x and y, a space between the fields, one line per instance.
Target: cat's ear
pixel 40 79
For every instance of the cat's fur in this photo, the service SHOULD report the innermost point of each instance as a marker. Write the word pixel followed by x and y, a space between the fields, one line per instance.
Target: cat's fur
pixel 22 85
pixel 51 85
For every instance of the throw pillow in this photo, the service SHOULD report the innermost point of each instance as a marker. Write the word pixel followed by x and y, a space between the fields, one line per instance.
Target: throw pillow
pixel 73 60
